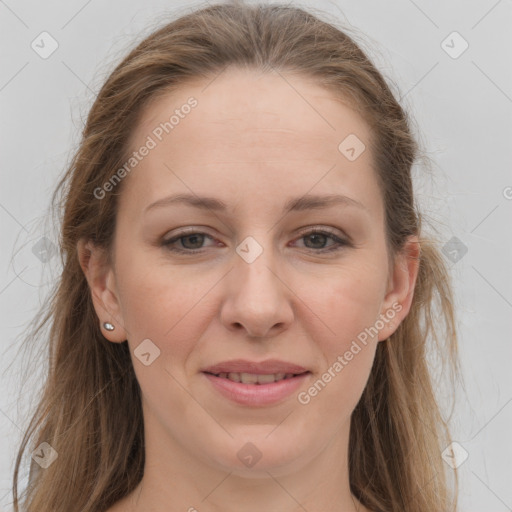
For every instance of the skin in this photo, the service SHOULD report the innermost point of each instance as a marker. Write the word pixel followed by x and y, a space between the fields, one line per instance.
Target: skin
pixel 252 142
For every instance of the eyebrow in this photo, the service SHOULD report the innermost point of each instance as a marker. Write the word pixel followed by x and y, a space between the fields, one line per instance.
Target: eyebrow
pixel 306 202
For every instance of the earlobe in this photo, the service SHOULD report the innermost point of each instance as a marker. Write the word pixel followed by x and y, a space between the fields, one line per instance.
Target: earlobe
pixel 101 280
pixel 397 303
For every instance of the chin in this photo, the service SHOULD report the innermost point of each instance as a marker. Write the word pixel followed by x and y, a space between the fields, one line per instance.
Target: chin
pixel 259 454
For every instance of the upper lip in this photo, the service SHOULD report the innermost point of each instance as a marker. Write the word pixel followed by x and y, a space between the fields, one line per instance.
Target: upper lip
pixel 268 367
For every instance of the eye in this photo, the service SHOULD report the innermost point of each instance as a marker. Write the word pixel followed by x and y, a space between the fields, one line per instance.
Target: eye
pixel 318 238
pixel 191 241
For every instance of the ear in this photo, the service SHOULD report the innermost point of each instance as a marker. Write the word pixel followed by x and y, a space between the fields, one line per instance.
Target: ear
pixel 402 281
pixel 101 279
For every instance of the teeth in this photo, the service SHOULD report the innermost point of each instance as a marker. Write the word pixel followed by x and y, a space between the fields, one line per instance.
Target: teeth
pixel 251 378
pixel 248 378
pixel 266 379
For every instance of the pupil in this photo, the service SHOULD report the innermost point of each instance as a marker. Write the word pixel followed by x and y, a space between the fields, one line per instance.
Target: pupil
pixel 315 236
pixel 196 239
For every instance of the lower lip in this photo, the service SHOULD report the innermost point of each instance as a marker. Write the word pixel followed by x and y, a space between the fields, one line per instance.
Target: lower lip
pixel 256 394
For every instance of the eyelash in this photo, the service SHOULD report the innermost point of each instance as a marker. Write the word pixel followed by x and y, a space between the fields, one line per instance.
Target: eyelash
pixel 339 242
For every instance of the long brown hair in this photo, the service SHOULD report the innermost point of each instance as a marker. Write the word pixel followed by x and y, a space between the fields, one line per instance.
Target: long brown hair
pixel 397 429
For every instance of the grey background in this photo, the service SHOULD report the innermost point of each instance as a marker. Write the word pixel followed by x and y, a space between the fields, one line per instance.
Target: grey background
pixel 463 108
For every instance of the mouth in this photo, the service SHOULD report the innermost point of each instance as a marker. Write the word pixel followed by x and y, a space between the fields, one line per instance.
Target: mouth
pixel 255 379
pixel 256 390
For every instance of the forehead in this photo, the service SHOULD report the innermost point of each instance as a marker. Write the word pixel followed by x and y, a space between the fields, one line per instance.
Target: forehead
pixel 266 130
pixel 238 105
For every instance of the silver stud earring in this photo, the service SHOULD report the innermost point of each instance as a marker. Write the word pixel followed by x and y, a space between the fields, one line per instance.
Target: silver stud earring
pixel 108 326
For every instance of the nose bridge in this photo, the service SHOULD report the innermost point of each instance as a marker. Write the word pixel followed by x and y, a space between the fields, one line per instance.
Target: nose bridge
pixel 253 277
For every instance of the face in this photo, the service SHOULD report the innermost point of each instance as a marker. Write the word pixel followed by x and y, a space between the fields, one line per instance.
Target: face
pixel 276 250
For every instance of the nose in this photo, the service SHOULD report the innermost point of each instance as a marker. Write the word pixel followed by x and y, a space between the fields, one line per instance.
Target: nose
pixel 257 299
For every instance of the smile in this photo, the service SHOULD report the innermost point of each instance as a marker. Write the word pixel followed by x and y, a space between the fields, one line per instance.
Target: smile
pixel 255 389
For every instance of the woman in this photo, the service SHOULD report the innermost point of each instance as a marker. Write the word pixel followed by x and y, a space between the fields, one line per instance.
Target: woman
pixel 247 297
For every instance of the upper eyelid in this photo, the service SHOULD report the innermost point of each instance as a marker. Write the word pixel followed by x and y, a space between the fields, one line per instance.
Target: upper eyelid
pixel 315 227
pixel 301 232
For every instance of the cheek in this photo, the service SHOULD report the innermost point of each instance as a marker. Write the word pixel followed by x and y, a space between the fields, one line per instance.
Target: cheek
pixel 350 306
pixel 353 313
pixel 348 351
pixel 351 300
pixel 172 310
pixel 161 304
